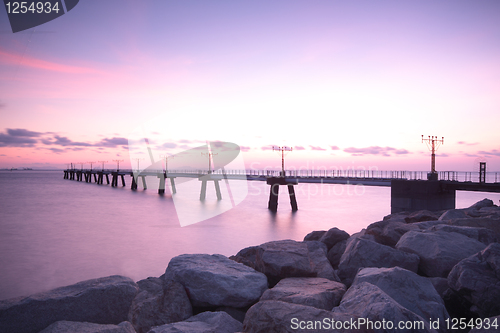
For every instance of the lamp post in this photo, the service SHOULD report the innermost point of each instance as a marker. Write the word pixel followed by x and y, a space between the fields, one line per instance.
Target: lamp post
pixel 433 143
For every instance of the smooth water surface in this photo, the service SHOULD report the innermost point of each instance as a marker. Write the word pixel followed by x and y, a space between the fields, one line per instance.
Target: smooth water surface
pixel 55 232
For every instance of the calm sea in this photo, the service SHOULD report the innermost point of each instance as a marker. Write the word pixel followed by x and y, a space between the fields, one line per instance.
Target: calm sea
pixel 55 232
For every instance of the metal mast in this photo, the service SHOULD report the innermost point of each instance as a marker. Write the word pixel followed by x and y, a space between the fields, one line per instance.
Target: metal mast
pixel 282 149
pixel 433 143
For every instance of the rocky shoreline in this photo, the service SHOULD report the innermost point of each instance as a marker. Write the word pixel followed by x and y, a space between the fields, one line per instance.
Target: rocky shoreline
pixel 438 269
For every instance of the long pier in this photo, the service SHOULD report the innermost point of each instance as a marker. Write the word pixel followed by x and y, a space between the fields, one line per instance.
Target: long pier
pixel 410 190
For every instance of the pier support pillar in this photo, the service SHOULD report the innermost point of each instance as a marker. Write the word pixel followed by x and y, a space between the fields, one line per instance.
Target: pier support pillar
pixel 172 185
pixel 161 186
pixel 133 186
pixel 204 180
pixel 144 185
pixel 275 182
pixel 413 195
pixel 123 180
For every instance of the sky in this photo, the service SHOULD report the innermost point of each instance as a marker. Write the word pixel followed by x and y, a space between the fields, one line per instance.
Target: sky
pixel 346 84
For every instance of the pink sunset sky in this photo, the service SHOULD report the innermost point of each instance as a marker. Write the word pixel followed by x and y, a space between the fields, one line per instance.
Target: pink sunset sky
pixel 346 83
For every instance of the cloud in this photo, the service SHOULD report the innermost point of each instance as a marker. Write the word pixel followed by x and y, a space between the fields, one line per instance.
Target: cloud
pixel 168 145
pixel 56 150
pixel 334 147
pixel 374 150
pixel 22 132
pixel 299 148
pixel 7 140
pixel 26 61
pixel 316 148
pixel 64 141
pixel 244 148
pixel 467 144
pixel 113 142
pixel 269 147
pixel 493 152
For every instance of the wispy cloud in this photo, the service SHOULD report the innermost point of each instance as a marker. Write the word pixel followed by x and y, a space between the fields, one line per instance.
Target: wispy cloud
pixel 7 140
pixel 334 147
pixel 375 150
pixel 26 61
pixel 299 148
pixel 22 132
pixel 316 148
pixel 467 143
pixel 493 152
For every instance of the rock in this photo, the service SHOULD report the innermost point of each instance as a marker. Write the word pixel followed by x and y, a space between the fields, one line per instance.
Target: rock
pixel 482 235
pixel 333 236
pixel 335 253
pixel 477 279
pixel 492 223
pixel 389 232
pixel 238 314
pixel 440 284
pixel 102 301
pixel 415 293
pixel 314 235
pixel 481 204
pixel 205 322
pixel 487 326
pixel 215 280
pixel 151 284
pixel 168 305
pixel 288 258
pixel 74 326
pixel 428 224
pixel 438 250
pixel 365 253
pixel 422 216
pixel 369 302
pixel 397 217
pixel 453 214
pixel 281 317
pixel 317 292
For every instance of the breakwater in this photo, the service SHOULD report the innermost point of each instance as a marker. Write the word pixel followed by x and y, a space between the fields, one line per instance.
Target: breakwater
pixel 426 268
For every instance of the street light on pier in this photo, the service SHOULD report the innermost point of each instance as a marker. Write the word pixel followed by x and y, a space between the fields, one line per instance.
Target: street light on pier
pixel 282 150
pixel 117 164
pixel 210 155
pixel 102 164
pixel 166 157
pixel 138 159
pixel 433 143
pixel 91 165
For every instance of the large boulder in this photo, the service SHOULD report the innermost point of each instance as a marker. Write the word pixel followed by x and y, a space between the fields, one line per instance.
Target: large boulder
pixel 438 250
pixel 314 235
pixel 205 322
pixel 317 292
pixel 284 317
pixel 215 280
pixel 102 301
pixel 78 327
pixel 483 235
pixel 422 216
pixel 362 253
pixel 389 232
pixel 335 253
pixel 333 236
pixel 482 204
pixel 414 292
pixel 477 279
pixel 288 258
pixel 376 308
pixel 454 214
pixel 492 223
pixel 155 307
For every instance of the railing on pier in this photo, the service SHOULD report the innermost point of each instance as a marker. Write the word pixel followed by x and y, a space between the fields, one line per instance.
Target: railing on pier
pixel 459 176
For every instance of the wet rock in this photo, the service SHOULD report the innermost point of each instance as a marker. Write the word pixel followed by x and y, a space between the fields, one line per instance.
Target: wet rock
pixel 482 235
pixel 314 235
pixel 333 236
pixel 278 316
pixel 154 308
pixel 288 258
pixel 422 216
pixel 73 326
pixel 477 279
pixel 367 301
pixel 492 223
pixel 389 232
pixel 335 253
pixel 414 292
pixel 102 301
pixel 205 322
pixel 215 280
pixel 454 214
pixel 438 250
pixel 317 292
pixel 362 253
